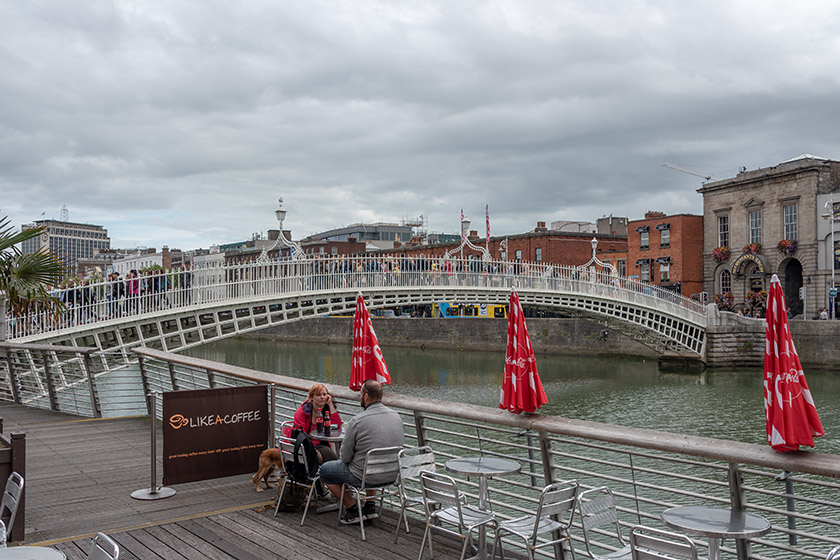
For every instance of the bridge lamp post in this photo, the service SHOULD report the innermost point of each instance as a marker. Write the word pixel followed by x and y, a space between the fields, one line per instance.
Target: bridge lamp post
pixel 297 251
pixel 829 215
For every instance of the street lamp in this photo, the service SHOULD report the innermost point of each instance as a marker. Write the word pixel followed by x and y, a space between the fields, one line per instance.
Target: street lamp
pixel 297 252
pixel 829 215
pixel 465 240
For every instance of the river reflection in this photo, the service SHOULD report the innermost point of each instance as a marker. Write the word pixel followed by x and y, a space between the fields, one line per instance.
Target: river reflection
pixel 725 404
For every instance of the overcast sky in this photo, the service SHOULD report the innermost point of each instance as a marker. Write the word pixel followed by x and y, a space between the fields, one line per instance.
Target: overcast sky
pixel 181 122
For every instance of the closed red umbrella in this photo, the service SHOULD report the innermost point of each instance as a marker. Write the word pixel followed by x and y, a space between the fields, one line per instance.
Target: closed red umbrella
pixel 792 418
pixel 522 390
pixel 368 362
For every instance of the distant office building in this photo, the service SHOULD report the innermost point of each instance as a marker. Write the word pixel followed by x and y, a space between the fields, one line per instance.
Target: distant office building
pixel 138 260
pixel 70 241
pixel 611 225
pixel 574 226
pixel 378 235
pixel 667 251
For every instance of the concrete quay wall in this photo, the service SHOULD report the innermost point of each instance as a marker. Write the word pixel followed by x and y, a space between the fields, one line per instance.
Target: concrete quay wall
pixel 735 342
pixel 548 336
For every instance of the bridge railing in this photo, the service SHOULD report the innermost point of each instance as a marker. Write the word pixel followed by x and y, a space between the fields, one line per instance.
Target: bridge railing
pixel 647 470
pixel 160 292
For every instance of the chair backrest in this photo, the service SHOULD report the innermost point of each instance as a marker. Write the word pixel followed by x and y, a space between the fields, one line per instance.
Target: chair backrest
pixel 647 543
pixel 596 509
pixel 558 499
pixel 440 489
pixel 103 548
pixel 287 453
pixel 11 499
pixel 833 554
pixel 413 461
pixel 382 460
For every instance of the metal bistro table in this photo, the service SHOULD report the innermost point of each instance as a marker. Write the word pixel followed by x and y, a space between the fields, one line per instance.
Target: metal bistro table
pixel 32 553
pixel 715 523
pixel 484 468
pixel 335 438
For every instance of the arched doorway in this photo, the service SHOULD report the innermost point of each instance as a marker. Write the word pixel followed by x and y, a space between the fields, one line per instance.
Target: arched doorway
pixel 790 273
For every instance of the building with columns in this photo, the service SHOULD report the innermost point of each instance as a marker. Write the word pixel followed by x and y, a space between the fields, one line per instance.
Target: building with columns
pixel 777 220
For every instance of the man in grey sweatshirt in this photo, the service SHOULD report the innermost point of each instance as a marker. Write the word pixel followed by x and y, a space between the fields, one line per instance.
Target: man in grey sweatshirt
pixel 377 426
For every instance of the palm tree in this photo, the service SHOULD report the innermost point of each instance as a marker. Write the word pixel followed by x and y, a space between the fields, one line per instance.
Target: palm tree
pixel 25 279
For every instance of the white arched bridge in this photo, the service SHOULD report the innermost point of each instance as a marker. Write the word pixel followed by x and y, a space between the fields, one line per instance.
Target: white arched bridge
pixel 177 310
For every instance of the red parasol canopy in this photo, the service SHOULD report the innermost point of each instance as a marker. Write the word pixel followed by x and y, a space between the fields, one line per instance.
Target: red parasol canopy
pixel 368 362
pixel 522 390
pixel 792 418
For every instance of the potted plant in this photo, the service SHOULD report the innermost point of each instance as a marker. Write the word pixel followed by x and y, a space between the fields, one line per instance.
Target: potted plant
pixel 720 254
pixel 787 247
pixel 725 301
pixel 754 248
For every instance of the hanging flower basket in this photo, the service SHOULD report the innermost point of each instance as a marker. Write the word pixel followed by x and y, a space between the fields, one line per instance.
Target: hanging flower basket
pixel 787 247
pixel 725 301
pixel 721 254
pixel 754 248
pixel 756 298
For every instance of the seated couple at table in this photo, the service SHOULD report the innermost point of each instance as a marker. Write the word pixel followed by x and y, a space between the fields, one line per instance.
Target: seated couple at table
pixel 318 401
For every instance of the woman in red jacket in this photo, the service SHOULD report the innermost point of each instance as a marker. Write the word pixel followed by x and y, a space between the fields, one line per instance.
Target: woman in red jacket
pixel 319 399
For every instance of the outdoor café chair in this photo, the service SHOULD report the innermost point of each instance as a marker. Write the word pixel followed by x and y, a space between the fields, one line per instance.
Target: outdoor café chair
pixel 833 554
pixel 3 533
pixel 11 500
pixel 647 543
pixel 596 510
pixel 286 445
pixel 413 461
pixel 103 547
pixel 555 512
pixel 440 489
pixel 377 461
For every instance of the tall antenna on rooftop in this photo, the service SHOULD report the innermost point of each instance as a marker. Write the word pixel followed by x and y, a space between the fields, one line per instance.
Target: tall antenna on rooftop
pixel 65 214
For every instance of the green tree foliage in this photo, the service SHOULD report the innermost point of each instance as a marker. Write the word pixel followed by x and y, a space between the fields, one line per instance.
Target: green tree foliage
pixel 26 279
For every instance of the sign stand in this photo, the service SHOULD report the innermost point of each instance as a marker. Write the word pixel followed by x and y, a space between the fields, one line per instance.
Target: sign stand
pixel 153 492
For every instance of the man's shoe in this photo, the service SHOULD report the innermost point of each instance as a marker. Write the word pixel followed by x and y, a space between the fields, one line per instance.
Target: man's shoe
pixel 369 511
pixel 351 516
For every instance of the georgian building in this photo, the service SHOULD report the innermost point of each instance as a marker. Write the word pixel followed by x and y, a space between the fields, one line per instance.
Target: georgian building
pixel 770 221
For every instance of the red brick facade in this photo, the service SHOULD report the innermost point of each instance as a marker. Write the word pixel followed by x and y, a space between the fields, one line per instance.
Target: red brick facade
pixel 674 241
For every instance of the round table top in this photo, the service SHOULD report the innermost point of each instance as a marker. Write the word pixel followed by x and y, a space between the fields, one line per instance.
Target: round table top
pixel 32 553
pixel 716 522
pixel 482 466
pixel 335 435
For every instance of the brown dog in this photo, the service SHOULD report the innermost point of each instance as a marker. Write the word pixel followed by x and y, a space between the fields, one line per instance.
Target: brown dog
pixel 269 459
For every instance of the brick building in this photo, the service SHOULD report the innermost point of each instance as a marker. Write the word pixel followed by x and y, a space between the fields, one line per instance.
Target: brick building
pixel 667 251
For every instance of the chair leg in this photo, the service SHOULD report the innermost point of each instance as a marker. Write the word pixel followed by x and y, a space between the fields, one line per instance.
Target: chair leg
pixel 308 501
pixel 280 496
pixel 399 522
pixel 496 541
pixel 464 548
pixel 423 542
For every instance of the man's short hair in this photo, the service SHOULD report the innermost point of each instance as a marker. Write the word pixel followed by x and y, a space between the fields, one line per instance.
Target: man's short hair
pixel 373 389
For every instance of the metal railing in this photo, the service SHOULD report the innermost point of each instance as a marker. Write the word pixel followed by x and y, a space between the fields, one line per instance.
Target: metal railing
pixel 91 303
pixel 647 470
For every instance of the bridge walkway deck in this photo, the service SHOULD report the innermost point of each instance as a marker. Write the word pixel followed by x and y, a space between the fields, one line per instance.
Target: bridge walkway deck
pixel 80 474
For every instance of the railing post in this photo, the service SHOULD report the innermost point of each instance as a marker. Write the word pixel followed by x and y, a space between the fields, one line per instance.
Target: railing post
pixel 13 381
pixel 272 414
pixel 172 378
pixel 18 442
pixel 736 497
pixel 49 380
pixel 211 379
pixel 94 401
pixel 420 428
pixel 790 502
pixel 144 379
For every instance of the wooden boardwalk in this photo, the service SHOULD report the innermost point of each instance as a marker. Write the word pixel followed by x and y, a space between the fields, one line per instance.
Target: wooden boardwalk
pixel 80 474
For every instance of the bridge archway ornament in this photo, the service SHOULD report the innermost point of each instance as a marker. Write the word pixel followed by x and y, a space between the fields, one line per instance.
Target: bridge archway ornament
pixel 742 261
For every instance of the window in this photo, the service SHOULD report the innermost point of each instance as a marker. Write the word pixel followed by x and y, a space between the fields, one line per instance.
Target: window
pixel 664 272
pixel 644 243
pixel 725 281
pixel 789 213
pixel 519 254
pixel 723 231
pixel 622 267
pixel 334 250
pixel 538 254
pixel 755 226
pixel 665 238
pixel 837 255
pixel 644 273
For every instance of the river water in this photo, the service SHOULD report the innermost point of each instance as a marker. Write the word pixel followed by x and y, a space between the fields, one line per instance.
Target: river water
pixel 726 404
